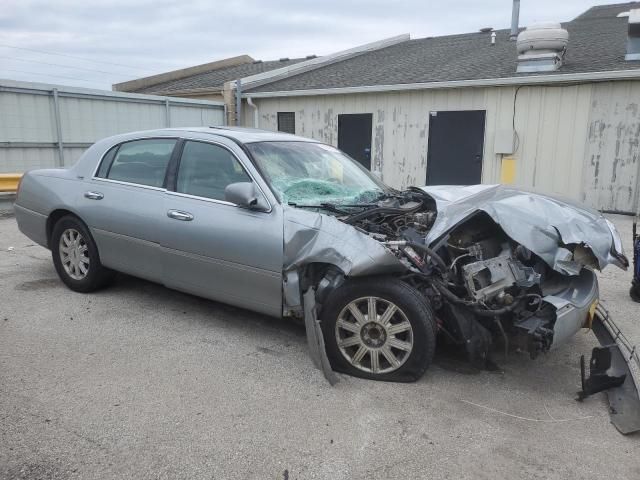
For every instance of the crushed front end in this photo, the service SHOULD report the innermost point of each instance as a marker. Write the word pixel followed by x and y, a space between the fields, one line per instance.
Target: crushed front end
pixel 500 267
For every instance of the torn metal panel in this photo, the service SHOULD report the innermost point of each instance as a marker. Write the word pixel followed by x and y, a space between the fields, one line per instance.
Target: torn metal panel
pixel 619 373
pixel 311 237
pixel 572 305
pixel 315 338
pixel 540 223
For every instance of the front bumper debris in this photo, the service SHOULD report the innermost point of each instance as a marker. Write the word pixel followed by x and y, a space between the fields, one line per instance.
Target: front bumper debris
pixel 614 368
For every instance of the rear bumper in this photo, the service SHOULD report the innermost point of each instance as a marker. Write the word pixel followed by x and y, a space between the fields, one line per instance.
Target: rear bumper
pixel 614 368
pixel 32 224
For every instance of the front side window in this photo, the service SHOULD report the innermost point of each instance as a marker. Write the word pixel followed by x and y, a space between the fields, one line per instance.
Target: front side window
pixel 206 170
pixel 141 161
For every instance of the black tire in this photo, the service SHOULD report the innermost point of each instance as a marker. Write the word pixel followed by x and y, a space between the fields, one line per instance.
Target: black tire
pixel 96 276
pixel 635 292
pixel 416 309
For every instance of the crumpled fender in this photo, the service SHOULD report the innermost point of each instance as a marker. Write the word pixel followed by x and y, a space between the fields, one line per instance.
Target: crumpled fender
pixel 541 223
pixel 311 237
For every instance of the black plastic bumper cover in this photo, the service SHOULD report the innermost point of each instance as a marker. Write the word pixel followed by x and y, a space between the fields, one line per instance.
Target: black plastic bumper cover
pixel 614 368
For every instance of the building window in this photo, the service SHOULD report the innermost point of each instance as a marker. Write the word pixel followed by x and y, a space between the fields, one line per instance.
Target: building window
pixel 287 122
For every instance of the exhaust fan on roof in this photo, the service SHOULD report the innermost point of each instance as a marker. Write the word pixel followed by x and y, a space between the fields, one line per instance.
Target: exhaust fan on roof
pixel 633 36
pixel 541 48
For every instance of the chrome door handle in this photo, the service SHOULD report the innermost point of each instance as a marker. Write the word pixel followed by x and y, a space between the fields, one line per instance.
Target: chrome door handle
pixel 178 215
pixel 93 195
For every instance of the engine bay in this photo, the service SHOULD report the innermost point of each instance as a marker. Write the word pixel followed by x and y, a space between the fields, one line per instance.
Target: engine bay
pixel 485 287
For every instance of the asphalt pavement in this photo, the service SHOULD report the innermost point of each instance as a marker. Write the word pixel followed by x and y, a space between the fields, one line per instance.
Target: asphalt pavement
pixel 138 381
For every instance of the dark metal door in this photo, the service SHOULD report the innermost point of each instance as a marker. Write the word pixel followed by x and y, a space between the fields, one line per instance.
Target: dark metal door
pixel 456 146
pixel 354 136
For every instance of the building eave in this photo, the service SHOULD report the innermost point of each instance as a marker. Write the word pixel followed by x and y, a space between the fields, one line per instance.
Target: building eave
pixel 192 91
pixel 568 78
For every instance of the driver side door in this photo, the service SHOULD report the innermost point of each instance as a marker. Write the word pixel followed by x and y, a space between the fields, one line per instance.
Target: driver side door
pixel 214 248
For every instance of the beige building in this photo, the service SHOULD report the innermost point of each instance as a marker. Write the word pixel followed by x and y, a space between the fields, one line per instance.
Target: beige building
pixel 469 108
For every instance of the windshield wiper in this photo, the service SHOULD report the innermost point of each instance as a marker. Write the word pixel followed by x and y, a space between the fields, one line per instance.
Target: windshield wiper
pixel 331 207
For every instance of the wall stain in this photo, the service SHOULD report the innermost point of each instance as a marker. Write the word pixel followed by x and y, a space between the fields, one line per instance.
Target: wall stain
pixel 378 142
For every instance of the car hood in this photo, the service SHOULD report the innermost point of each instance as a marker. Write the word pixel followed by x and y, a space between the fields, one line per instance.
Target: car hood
pixel 543 224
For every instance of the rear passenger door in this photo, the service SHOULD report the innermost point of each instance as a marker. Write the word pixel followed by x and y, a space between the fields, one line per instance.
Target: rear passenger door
pixel 122 204
pixel 212 247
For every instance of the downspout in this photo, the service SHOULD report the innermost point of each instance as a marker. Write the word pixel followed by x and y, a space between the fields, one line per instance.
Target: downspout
pixel 238 101
pixel 256 116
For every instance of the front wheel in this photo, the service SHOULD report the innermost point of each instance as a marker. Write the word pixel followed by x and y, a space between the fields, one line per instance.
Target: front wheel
pixel 379 328
pixel 75 256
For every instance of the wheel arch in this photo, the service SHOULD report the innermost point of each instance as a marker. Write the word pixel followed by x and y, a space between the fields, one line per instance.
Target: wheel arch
pixel 54 217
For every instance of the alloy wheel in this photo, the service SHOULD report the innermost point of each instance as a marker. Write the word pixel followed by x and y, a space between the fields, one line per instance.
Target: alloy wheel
pixel 374 335
pixel 74 254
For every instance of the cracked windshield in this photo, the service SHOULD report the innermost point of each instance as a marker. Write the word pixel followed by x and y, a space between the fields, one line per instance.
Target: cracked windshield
pixel 313 174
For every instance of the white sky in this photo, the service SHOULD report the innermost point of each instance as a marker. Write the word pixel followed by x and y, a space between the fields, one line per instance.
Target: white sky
pixel 123 39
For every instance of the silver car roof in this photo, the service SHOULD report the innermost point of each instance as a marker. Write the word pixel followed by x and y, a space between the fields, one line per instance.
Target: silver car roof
pixel 239 134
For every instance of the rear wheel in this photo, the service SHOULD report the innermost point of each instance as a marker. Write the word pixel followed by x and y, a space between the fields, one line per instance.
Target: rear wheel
pixel 379 328
pixel 75 256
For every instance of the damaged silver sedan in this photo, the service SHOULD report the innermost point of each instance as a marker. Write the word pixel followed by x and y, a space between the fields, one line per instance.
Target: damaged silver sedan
pixel 287 226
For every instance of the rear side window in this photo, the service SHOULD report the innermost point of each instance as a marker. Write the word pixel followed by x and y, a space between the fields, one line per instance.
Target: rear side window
pixel 141 161
pixel 106 163
pixel 206 170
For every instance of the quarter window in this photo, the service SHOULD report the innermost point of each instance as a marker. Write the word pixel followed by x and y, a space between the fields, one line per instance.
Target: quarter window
pixel 287 122
pixel 141 161
pixel 206 170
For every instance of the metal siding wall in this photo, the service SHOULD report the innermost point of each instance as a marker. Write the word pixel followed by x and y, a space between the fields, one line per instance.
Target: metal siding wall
pixel 551 123
pixel 400 125
pixel 562 132
pixel 28 116
pixel 612 160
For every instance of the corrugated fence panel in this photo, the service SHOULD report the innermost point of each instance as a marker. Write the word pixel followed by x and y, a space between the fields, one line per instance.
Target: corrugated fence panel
pixel 26 118
pixel 87 119
pixel 28 133
pixel 182 116
pixel 17 160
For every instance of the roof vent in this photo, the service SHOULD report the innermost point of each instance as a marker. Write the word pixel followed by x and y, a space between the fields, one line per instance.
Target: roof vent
pixel 309 57
pixel 486 30
pixel 541 48
pixel 284 59
pixel 633 36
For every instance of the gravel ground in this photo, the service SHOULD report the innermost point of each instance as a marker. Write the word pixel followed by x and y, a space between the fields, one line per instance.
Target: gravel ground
pixel 138 381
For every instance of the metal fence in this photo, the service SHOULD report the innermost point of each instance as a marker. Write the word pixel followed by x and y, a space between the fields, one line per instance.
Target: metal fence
pixel 44 126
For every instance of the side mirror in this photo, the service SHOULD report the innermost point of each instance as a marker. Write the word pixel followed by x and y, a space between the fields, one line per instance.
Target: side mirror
pixel 245 195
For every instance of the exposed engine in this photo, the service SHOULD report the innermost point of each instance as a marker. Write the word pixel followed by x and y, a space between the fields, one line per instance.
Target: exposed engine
pixel 484 286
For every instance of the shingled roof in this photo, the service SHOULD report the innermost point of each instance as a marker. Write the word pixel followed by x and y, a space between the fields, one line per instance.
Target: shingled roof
pixel 597 43
pixel 215 79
